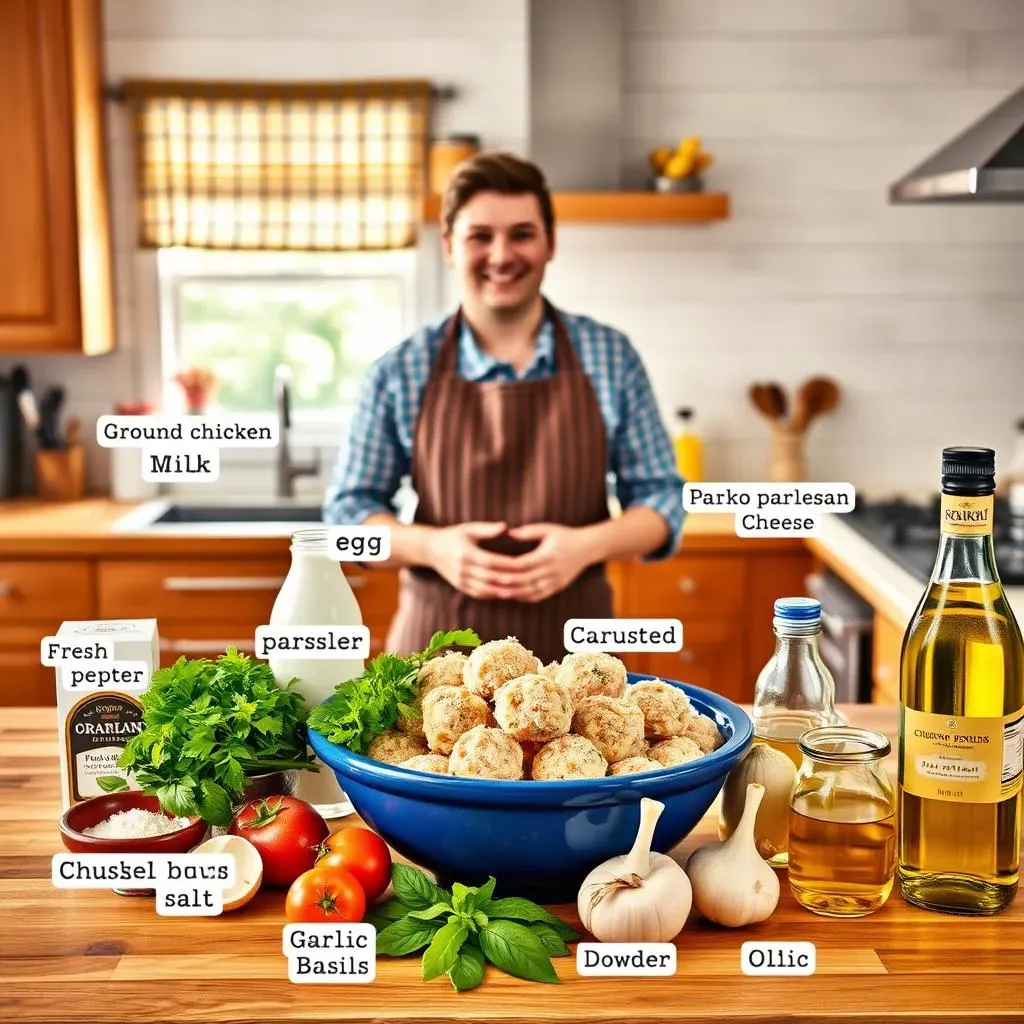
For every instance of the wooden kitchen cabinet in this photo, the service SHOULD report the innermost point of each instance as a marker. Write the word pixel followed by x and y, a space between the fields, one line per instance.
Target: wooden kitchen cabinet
pixel 885 666
pixel 205 605
pixel 722 594
pixel 56 289
pixel 35 597
pixel 725 604
pixel 712 657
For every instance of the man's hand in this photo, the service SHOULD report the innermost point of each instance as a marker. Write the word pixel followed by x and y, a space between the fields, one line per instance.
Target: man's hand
pixel 455 555
pixel 563 553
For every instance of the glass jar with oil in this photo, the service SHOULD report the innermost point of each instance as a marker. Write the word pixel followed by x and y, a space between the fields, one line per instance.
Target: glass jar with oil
pixel 842 823
pixel 795 690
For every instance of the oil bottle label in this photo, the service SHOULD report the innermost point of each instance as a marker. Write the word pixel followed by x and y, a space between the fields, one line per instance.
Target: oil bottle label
pixel 965 760
pixel 966 517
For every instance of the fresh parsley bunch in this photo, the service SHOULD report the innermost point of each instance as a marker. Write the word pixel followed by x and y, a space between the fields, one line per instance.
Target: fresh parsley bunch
pixel 362 708
pixel 464 928
pixel 207 726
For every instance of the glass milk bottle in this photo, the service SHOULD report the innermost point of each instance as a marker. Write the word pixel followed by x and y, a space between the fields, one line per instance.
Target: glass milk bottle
pixel 316 593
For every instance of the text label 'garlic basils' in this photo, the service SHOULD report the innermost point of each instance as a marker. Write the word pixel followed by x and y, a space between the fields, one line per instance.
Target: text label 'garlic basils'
pixel 732 885
pixel 639 897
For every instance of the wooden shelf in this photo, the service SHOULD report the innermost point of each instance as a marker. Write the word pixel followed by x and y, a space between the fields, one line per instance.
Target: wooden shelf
pixel 624 207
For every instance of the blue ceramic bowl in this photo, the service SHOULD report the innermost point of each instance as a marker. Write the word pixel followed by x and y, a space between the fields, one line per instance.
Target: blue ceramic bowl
pixel 539 839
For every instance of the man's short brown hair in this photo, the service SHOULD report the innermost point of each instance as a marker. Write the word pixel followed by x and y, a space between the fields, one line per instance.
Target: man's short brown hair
pixel 496 171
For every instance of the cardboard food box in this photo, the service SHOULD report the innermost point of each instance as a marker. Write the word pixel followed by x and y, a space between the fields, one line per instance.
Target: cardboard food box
pixel 96 723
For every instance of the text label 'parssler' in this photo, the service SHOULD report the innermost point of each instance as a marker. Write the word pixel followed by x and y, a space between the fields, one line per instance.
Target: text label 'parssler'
pixel 623 635
pixel 313 641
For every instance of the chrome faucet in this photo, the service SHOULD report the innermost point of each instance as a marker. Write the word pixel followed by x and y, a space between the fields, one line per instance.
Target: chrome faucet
pixel 287 469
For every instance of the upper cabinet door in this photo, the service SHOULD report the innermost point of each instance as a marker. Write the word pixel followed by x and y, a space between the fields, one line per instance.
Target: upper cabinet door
pixel 55 264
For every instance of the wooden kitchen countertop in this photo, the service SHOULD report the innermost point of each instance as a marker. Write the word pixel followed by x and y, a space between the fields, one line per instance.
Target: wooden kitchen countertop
pixel 90 956
pixel 39 529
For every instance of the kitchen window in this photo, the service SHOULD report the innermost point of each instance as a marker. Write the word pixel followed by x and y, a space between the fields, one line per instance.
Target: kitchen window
pixel 327 316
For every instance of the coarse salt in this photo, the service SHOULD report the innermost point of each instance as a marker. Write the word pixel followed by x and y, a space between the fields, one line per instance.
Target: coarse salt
pixel 135 823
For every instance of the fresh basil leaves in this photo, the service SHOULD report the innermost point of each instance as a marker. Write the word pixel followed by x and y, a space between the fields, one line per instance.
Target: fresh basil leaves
pixel 461 929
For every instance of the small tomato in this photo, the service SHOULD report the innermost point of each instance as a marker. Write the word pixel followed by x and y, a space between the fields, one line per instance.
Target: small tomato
pixel 325 897
pixel 363 853
pixel 287 833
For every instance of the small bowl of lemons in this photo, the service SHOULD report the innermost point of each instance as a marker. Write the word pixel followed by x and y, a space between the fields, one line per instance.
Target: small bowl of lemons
pixel 680 169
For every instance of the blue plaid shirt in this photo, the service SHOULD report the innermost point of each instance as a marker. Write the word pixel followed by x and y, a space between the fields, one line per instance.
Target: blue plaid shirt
pixel 641 461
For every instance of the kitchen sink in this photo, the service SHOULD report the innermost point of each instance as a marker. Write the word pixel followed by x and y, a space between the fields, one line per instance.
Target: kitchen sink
pixel 239 514
pixel 238 518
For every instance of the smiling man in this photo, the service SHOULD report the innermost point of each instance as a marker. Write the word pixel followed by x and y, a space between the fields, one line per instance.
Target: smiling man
pixel 509 415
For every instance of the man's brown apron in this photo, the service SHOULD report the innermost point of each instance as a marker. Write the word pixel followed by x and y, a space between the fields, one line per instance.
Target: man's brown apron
pixel 515 452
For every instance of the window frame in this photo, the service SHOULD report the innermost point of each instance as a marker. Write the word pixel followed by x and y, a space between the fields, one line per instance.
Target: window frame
pixel 178 266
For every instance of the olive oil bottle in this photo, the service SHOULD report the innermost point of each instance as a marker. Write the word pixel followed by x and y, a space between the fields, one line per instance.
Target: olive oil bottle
pixel 962 713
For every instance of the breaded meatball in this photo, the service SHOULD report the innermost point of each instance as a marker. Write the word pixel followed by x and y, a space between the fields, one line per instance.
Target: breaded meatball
pixel 484 753
pixel 550 669
pixel 495 663
pixel 634 766
pixel 444 670
pixel 703 731
pixel 613 725
pixel 533 708
pixel 677 750
pixel 588 674
pixel 569 757
pixel 666 708
pixel 411 722
pixel 394 747
pixel 437 764
pixel 448 712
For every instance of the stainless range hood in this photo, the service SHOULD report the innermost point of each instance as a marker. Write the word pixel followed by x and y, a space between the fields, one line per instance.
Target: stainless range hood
pixel 985 164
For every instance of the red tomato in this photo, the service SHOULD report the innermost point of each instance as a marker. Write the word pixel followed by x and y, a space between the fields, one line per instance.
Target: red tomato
pixel 363 853
pixel 287 833
pixel 325 896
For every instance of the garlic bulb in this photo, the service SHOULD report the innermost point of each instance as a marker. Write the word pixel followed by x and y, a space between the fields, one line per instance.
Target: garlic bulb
pixel 777 773
pixel 732 885
pixel 640 897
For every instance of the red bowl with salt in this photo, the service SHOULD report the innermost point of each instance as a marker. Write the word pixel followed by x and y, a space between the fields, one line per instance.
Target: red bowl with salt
pixel 88 813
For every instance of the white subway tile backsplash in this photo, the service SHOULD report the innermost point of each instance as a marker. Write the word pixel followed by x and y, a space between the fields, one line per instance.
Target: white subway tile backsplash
pixel 996 59
pixel 812 107
pixel 767 17
pixel 965 15
pixel 900 115
pixel 869 63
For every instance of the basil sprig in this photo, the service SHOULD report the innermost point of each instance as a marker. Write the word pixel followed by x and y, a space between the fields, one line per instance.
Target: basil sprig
pixel 461 929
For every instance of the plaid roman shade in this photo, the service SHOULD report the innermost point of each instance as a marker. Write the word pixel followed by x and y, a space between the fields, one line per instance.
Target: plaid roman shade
pixel 324 166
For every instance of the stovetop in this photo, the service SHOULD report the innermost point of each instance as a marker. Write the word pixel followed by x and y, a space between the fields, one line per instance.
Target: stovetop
pixel 909 534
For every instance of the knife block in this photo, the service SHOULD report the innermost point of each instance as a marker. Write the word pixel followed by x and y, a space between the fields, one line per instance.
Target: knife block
pixel 60 473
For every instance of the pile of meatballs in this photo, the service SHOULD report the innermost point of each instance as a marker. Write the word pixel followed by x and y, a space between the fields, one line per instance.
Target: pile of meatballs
pixel 500 714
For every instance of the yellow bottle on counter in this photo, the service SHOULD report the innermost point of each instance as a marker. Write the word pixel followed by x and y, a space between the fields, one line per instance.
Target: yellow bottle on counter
pixel 689 450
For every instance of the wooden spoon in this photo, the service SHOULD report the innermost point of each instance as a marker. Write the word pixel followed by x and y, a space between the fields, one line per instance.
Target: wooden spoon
pixel 816 397
pixel 769 400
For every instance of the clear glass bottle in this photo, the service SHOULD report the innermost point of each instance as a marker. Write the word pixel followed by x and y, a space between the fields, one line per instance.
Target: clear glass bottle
pixel 316 593
pixel 795 690
pixel 962 712
pixel 842 823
